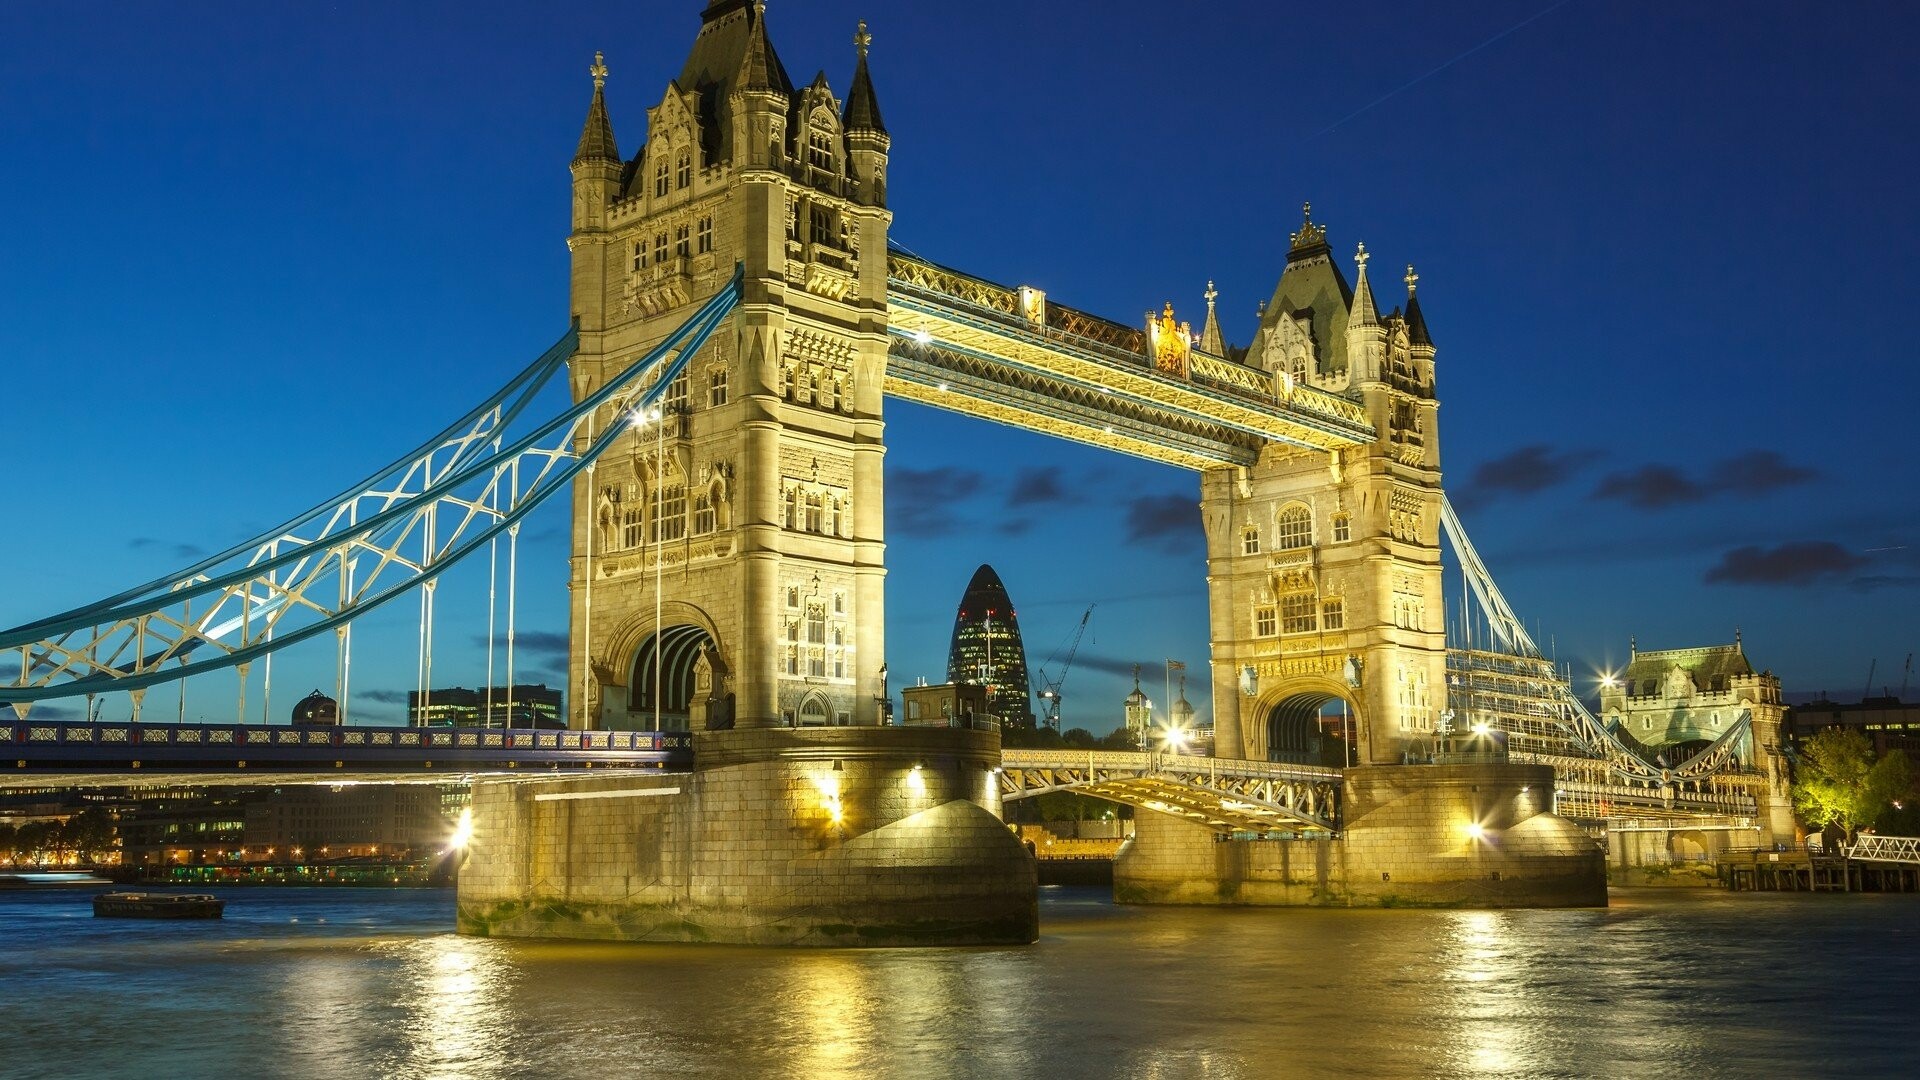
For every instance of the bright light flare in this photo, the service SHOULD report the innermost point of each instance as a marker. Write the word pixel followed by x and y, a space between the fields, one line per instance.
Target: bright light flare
pixel 462 831
pixel 1174 740
pixel 1482 728
pixel 923 337
pixel 1476 830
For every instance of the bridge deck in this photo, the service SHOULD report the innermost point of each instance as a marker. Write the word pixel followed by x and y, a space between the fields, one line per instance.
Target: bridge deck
pixel 124 754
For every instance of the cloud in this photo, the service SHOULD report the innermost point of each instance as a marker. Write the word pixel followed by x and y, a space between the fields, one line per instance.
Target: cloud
pixel 920 502
pixel 1804 562
pixel 1525 471
pixel 1650 487
pixel 1170 521
pixel 1758 472
pixel 541 645
pixel 177 550
pixel 1112 665
pixel 43 711
pixel 384 697
pixel 1040 487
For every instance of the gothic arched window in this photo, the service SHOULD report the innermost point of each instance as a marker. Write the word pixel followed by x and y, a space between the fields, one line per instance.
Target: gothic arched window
pixel 683 169
pixel 1296 528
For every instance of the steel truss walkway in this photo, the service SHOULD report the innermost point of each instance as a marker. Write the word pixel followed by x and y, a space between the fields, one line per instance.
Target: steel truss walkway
pixel 1225 795
pixel 1892 849
pixel 1012 356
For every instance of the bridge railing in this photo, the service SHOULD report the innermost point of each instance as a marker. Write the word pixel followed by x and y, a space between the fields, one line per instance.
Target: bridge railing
pixel 56 746
pixel 1869 847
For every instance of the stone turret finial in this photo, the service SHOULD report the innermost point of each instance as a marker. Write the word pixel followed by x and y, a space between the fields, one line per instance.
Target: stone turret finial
pixel 1416 319
pixel 1310 235
pixel 598 70
pixel 862 111
pixel 596 136
pixel 1211 294
pixel 1211 340
pixel 1364 313
pixel 862 39
pixel 1411 279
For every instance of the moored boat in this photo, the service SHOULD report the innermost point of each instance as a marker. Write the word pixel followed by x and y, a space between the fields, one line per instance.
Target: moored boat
pixel 136 905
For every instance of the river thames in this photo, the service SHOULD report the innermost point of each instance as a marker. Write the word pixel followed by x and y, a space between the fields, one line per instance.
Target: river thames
pixel 345 983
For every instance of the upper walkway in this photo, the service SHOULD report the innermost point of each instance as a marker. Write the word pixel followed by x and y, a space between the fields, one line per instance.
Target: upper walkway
pixel 1013 356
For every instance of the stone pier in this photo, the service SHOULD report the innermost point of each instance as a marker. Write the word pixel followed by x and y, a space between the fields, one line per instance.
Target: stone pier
pixel 782 836
pixel 1416 836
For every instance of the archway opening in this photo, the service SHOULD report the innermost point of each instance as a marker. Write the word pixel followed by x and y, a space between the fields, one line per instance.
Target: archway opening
pixel 671 655
pixel 1312 728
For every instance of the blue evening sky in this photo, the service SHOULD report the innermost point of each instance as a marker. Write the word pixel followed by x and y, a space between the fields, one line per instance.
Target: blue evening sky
pixel 249 252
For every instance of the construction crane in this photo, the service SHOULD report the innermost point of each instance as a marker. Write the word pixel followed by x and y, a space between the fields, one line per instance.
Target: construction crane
pixel 1050 687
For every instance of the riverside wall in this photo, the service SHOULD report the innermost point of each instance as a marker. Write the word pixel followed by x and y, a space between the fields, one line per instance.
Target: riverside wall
pixel 808 836
pixel 1408 839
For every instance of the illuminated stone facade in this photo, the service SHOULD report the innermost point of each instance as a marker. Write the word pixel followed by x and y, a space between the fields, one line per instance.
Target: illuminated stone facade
pixel 754 501
pixel 1324 566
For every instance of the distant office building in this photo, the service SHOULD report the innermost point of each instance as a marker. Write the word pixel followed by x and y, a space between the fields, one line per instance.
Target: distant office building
pixel 506 706
pixel 986 649
pixel 1887 721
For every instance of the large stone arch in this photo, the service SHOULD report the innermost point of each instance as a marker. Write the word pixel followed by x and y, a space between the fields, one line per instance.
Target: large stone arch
pixel 1289 728
pixel 695 673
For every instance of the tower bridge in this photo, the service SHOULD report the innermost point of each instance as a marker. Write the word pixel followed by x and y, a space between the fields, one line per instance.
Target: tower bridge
pixel 738 320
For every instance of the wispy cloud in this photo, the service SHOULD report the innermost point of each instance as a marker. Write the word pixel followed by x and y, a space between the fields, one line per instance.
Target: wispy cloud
pixel 1806 562
pixel 1748 475
pixel 384 697
pixel 169 547
pixel 1045 486
pixel 1526 471
pixel 542 646
pixel 1171 522
pixel 920 502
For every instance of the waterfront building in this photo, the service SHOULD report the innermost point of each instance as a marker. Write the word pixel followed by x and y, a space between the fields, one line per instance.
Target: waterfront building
pixel 315 824
pixel 519 706
pixel 945 705
pixel 986 649
pixel 1889 722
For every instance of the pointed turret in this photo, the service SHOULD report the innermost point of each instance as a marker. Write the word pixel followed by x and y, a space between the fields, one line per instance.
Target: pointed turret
pixel 1210 339
pixel 596 164
pixel 863 107
pixel 1416 322
pixel 761 94
pixel 759 68
pixel 1363 312
pixel 866 133
pixel 596 138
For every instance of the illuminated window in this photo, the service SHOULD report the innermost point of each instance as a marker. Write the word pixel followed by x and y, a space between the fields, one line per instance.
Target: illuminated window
pixel 683 169
pixel 659 247
pixel 816 624
pixel 682 241
pixel 662 179
pixel 1250 540
pixel 1296 528
pixel 703 515
pixel 815 508
pixel 1265 622
pixel 824 231
pixel 672 522
pixel 1342 528
pixel 1296 613
pixel 1333 614
pixel 717 387
pixel 676 401
pixel 639 255
pixel 820 149
pixel 706 234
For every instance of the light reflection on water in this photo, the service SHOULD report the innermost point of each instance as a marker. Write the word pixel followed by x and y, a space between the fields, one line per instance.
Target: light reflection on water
pixel 1701 984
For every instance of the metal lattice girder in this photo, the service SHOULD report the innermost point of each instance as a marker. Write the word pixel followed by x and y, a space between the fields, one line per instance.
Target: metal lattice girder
pixel 1893 849
pixel 399 531
pixel 1226 795
pixel 1069 374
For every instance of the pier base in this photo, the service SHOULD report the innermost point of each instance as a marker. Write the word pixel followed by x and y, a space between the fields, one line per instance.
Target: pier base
pixel 1415 836
pixel 809 836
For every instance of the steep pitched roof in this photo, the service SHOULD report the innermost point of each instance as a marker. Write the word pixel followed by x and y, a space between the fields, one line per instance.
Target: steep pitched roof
pixel 729 31
pixel 1312 288
pixel 1363 312
pixel 863 107
pixel 1702 664
pixel 596 137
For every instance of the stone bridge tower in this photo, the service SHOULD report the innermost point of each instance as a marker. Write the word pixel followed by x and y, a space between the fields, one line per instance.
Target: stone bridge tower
pixel 1324 570
pixel 727 556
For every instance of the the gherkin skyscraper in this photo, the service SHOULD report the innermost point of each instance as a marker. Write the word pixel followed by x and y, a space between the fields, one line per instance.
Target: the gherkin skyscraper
pixel 986 649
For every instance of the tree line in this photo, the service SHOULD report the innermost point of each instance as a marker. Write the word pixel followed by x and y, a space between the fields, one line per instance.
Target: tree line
pixel 86 835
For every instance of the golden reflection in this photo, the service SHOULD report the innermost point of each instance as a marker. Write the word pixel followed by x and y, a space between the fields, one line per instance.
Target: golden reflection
pixel 457 985
pixel 832 1003
pixel 1491 1002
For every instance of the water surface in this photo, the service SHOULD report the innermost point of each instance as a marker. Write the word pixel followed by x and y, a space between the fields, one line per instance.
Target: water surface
pixel 366 983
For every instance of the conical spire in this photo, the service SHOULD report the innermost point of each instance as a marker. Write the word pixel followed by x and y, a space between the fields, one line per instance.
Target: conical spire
pixel 759 69
pixel 596 138
pixel 1416 322
pixel 1363 312
pixel 863 108
pixel 1210 339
